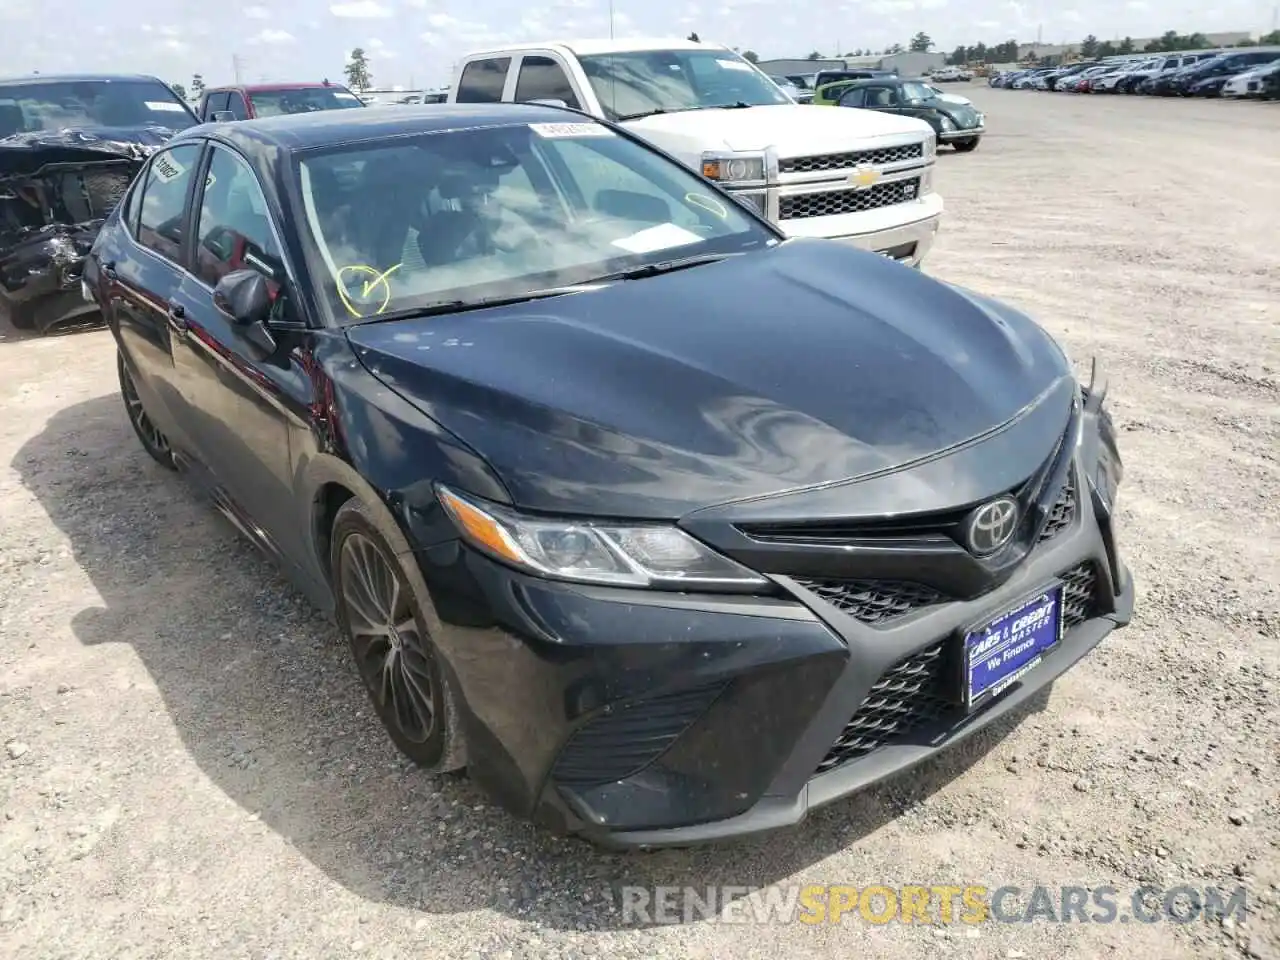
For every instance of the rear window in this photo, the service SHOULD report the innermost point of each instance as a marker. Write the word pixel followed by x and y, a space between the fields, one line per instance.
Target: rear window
pixel 275 103
pixel 80 104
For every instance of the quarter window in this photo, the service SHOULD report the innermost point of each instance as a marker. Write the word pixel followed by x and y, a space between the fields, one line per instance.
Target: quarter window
pixel 216 103
pixel 483 80
pixel 234 229
pixel 542 78
pixel 235 103
pixel 164 198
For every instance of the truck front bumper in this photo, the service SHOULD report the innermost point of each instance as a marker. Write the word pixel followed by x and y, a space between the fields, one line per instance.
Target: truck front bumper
pixel 904 231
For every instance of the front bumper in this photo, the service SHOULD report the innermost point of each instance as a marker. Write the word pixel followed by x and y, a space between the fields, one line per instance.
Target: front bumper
pixel 967 133
pixel 905 232
pixel 643 719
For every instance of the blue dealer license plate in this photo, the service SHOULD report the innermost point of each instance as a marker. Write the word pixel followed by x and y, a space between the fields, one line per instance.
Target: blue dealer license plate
pixel 998 655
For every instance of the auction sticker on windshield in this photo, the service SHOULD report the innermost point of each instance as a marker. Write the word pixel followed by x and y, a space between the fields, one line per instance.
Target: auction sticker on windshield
pixel 662 237
pixel 552 130
pixel 165 105
pixel 1003 651
pixel 734 65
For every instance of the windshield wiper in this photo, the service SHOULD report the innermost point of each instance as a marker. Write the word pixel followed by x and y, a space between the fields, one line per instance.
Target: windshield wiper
pixel 461 306
pixel 665 266
pixel 736 105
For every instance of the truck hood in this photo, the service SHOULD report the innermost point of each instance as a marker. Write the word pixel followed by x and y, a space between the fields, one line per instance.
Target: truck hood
pixel 794 129
pixel 804 364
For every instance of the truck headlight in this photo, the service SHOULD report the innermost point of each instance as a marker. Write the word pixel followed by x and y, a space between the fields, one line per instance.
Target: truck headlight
pixel 734 169
pixel 651 555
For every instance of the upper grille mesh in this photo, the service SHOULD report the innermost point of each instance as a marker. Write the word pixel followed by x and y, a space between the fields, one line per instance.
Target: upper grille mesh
pixel 1062 512
pixel 839 161
pixel 873 601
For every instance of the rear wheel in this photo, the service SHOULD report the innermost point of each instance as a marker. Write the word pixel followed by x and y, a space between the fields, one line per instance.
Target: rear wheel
pixel 153 441
pixel 385 614
pixel 966 146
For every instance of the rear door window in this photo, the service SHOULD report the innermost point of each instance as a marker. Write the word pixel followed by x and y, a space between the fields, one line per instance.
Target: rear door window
pixel 542 78
pixel 216 103
pixel 235 103
pixel 164 199
pixel 483 80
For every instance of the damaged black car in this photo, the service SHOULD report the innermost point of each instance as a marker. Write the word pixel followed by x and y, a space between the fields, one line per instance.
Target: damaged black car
pixel 69 147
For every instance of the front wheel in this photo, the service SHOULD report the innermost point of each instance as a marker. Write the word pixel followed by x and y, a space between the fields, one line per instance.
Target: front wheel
pixel 153 441
pixel 966 146
pixel 387 617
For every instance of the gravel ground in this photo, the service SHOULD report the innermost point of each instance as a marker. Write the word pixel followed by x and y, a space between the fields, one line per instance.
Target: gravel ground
pixel 189 769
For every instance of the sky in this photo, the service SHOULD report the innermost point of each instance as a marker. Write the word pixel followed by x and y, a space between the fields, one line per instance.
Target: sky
pixel 416 42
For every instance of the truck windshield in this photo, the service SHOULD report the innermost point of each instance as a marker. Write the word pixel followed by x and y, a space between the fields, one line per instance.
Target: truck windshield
pixel 637 84
pixel 273 103
pixel 441 220
pixel 65 104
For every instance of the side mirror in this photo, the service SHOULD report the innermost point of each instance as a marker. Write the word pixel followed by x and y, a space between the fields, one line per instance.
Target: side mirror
pixel 223 116
pixel 244 297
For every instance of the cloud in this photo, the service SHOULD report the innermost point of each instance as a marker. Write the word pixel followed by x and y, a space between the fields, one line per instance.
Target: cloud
pixel 256 13
pixel 272 37
pixel 360 10
pixel 442 21
pixel 376 46
pixel 1071 16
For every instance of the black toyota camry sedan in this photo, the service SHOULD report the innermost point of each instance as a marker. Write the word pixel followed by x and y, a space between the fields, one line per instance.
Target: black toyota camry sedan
pixel 666 528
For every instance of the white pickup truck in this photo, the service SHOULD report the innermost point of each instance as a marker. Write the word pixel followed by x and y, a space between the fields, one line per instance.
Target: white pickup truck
pixel 853 175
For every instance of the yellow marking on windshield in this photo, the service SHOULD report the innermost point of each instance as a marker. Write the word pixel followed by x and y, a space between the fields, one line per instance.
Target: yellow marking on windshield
pixel 377 281
pixel 709 204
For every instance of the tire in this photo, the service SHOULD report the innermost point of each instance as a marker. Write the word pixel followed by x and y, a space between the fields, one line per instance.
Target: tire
pixel 153 441
pixel 966 146
pixel 21 315
pixel 385 613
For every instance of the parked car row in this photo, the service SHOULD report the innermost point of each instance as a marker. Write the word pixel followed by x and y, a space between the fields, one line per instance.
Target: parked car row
pixel 1239 73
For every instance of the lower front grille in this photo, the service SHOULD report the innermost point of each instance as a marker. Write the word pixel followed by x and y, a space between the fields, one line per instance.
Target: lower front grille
pixel 625 739
pixel 909 695
pixel 832 202
pixel 921 689
pixel 874 602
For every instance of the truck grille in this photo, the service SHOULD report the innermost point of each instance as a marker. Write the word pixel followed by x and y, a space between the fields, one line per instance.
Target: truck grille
pixel 920 689
pixel 839 161
pixel 874 602
pixel 833 202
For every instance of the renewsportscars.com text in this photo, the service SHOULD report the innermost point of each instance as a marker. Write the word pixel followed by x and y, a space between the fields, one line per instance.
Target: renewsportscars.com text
pixel 934 904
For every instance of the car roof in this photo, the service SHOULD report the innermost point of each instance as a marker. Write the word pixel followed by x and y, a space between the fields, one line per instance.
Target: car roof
pixel 590 47
pixel 298 132
pixel 77 78
pixel 270 87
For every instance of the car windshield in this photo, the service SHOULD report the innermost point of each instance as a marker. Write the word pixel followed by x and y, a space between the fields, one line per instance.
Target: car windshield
pixel 273 103
pixel 636 84
pixel 458 216
pixel 69 104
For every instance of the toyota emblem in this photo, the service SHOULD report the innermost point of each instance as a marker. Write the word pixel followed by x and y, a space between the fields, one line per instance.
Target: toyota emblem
pixel 992 525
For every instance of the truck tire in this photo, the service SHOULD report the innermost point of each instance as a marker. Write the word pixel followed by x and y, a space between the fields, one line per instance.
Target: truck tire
pixel 966 146
pixel 21 316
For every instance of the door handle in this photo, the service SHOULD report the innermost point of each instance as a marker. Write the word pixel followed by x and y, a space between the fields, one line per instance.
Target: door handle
pixel 177 316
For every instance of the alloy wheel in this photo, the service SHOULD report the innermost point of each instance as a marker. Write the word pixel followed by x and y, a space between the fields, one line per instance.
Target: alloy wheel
pixel 157 442
pixel 389 647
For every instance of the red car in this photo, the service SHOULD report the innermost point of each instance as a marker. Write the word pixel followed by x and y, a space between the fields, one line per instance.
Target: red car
pixel 273 99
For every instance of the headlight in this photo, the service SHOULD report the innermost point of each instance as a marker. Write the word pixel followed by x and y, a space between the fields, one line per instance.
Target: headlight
pixel 588 551
pixel 734 169
pixel 948 124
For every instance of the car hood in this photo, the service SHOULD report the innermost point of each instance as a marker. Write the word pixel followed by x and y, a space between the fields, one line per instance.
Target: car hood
pixel 805 364
pixel 24 153
pixel 792 128
pixel 953 98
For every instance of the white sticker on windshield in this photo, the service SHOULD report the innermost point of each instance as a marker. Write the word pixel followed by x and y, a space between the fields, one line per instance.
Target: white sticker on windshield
pixel 167 169
pixel 661 237
pixel 734 65
pixel 570 130
pixel 345 96
pixel 165 106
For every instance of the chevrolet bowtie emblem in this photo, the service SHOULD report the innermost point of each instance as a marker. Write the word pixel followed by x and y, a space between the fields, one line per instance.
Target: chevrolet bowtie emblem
pixel 863 176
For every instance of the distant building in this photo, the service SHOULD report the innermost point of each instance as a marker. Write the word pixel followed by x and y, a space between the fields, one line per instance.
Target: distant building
pixel 904 64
